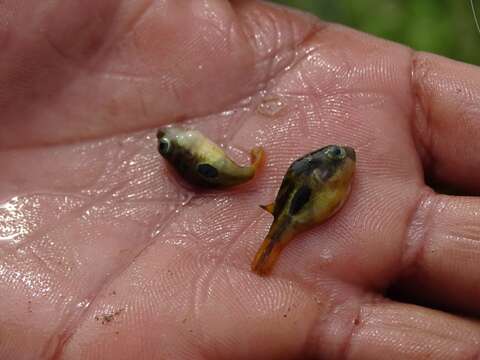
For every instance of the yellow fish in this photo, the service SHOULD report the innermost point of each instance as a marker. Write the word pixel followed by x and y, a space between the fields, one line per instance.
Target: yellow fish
pixel 201 162
pixel 313 189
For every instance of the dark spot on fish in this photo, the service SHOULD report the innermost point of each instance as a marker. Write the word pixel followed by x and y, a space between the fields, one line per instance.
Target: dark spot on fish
pixel 207 170
pixel 283 195
pixel 301 166
pixel 299 200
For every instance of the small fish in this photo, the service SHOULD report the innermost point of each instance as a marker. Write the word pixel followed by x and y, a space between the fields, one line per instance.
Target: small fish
pixel 201 162
pixel 313 189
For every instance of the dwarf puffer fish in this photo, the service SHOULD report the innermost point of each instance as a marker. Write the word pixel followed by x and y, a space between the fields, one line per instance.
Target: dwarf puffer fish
pixel 201 162
pixel 313 189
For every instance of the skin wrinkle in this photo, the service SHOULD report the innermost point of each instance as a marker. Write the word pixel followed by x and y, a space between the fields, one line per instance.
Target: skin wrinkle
pixel 316 30
pixel 424 140
pixel 133 23
pixel 357 324
pixel 275 47
pixel 413 248
pixel 361 318
pixel 433 136
pixel 91 35
pixel 418 74
pixel 354 328
pixel 58 50
pixel 69 333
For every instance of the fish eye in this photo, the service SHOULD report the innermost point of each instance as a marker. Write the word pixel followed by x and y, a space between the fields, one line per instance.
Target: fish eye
pixel 336 153
pixel 164 146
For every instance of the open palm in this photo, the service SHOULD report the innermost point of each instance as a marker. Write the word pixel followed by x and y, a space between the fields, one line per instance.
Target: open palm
pixel 105 255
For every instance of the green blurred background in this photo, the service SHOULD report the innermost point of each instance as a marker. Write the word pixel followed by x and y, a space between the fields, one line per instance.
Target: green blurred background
pixel 445 27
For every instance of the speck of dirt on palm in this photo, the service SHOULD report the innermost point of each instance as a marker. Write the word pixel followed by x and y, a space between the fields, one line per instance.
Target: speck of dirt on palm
pixel 317 300
pixel 106 318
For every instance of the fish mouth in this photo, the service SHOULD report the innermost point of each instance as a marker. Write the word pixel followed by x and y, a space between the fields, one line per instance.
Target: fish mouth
pixel 350 153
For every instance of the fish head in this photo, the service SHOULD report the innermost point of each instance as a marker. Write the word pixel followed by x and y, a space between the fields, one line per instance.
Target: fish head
pixel 174 142
pixel 196 158
pixel 321 182
pixel 330 164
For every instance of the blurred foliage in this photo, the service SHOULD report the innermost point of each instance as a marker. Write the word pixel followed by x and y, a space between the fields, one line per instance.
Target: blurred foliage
pixel 445 27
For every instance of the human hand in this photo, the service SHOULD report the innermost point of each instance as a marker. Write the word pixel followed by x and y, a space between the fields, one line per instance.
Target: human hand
pixel 104 255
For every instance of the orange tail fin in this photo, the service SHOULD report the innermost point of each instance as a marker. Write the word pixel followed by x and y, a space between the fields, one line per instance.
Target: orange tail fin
pixel 266 256
pixel 257 155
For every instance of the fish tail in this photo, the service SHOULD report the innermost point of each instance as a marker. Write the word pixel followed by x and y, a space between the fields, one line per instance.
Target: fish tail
pixel 257 155
pixel 266 256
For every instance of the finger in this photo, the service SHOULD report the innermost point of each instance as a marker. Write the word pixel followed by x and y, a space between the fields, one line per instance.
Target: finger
pixel 442 261
pixel 389 330
pixel 100 68
pixel 447 125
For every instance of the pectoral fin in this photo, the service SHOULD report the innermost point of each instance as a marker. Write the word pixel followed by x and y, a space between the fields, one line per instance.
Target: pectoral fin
pixel 268 207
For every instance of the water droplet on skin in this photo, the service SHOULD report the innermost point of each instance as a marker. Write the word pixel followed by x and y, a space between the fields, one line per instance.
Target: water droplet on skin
pixel 270 106
pixel 83 304
pixel 13 225
pixel 228 113
pixel 186 199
